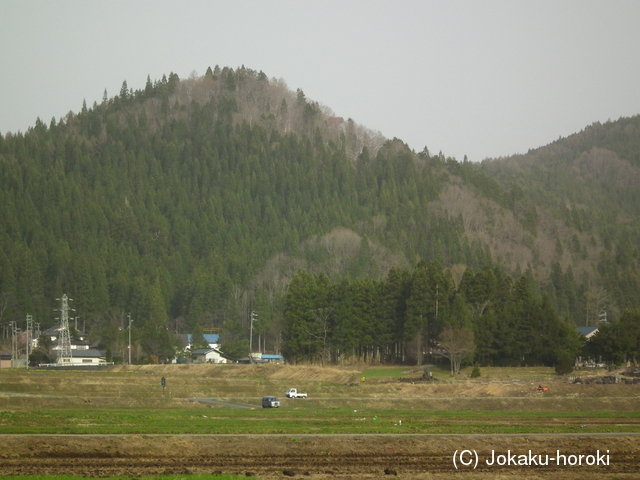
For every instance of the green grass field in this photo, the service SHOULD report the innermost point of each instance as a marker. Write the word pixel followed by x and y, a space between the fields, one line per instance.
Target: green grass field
pixel 224 420
pixel 340 402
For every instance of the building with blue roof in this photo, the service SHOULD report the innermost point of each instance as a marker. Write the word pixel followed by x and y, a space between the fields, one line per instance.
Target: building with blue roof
pixel 587 332
pixel 213 339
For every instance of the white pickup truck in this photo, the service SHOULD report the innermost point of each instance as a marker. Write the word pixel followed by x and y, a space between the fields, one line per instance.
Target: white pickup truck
pixel 293 393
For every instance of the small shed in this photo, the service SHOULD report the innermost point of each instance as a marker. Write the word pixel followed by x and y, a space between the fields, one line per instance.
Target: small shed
pixel 272 358
pixel 5 358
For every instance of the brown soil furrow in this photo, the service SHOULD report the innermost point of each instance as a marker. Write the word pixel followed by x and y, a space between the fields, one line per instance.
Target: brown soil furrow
pixel 319 457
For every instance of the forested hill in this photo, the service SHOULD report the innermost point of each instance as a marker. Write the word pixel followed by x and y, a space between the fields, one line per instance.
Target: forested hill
pixel 191 203
pixel 586 189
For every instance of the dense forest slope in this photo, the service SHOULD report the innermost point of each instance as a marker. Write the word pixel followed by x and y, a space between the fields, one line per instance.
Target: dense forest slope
pixel 586 189
pixel 193 202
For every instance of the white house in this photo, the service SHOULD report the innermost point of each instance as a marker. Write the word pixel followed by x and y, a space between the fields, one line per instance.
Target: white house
pixel 54 333
pixel 88 357
pixel 208 355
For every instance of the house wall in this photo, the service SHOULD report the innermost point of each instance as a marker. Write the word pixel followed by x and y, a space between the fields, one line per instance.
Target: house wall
pixel 86 361
pixel 217 358
pixel 212 358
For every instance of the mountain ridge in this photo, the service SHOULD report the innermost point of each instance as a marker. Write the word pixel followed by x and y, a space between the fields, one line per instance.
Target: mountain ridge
pixel 192 202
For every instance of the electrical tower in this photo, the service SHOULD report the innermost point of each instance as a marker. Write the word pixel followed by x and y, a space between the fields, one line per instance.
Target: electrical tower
pixel 64 339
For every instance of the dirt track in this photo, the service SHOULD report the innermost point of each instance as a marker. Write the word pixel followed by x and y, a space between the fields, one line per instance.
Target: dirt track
pixel 312 457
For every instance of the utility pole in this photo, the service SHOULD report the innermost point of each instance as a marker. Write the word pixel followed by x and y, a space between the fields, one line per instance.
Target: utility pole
pixel 437 299
pixel 602 318
pixel 436 320
pixel 29 336
pixel 129 316
pixel 254 317
pixel 14 344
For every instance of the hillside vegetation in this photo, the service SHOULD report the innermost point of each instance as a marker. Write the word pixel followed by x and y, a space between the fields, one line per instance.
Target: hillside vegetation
pixel 586 189
pixel 193 202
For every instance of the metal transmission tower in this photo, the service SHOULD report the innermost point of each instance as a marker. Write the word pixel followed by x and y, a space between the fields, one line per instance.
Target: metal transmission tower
pixel 64 339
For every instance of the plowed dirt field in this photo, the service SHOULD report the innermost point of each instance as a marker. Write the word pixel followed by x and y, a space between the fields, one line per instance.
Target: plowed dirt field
pixel 320 457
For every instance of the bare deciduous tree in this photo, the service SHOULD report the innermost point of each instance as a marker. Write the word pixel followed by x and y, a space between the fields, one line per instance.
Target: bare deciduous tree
pixel 595 302
pixel 320 332
pixel 457 345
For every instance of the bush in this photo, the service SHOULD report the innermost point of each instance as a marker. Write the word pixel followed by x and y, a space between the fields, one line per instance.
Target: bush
pixel 475 373
pixel 564 362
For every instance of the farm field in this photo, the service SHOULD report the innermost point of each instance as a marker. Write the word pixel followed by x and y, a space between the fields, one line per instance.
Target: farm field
pixel 356 423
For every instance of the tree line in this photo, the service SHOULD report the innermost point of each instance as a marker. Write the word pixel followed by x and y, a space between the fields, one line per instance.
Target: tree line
pixel 410 315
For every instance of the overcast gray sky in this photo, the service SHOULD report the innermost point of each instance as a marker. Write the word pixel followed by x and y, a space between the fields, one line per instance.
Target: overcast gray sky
pixel 482 78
